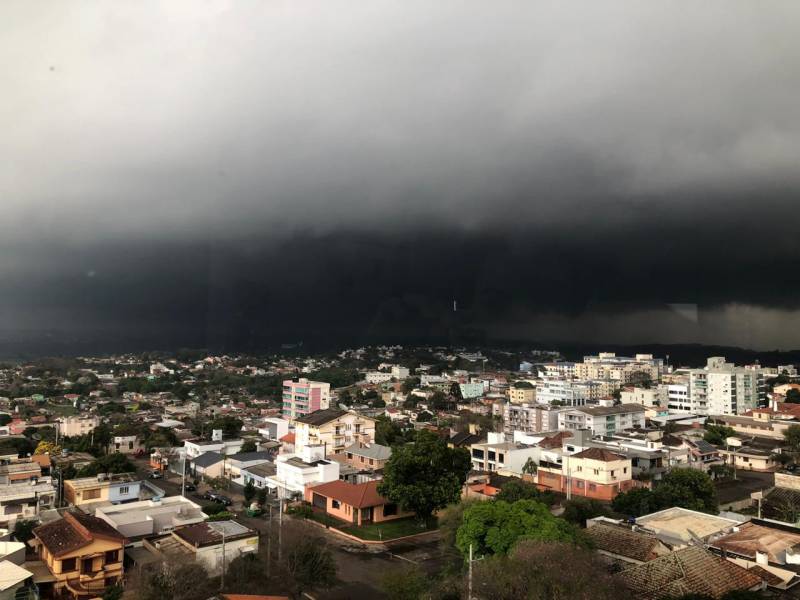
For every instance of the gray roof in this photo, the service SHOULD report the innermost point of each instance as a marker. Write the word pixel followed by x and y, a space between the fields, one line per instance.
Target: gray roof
pixel 207 459
pixel 320 417
pixel 265 469
pixel 704 447
pixel 251 456
pixel 374 451
pixel 599 411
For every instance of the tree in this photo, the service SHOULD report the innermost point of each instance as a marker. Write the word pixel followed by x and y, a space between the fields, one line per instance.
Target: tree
pixel 5 419
pixel 186 581
pixel 44 447
pixel 793 396
pixel 245 575
pixel 517 489
pixel 23 530
pixel 538 570
pixel 387 432
pixel 686 488
pixel 578 510
pixel 425 476
pixel 409 583
pixel 249 492
pixel 495 527
pixel 717 434
pixel 249 446
pixel 230 426
pixel 792 438
pixel 310 564
pixel 112 463
pixel 113 592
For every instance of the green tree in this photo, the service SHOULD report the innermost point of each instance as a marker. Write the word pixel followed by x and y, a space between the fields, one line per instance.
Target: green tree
pixel 578 510
pixel 245 575
pixel 717 434
pixel 495 527
pixel 537 570
pixel 112 463
pixel 5 419
pixel 791 436
pixel 249 446
pixel 517 489
pixel 793 396
pixel 425 476
pixel 635 502
pixel 686 488
pixel 249 492
pixel 23 530
pixel 409 583
pixel 113 592
pixel 310 565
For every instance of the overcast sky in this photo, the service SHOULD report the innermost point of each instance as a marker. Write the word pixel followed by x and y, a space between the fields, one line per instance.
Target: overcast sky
pixel 244 172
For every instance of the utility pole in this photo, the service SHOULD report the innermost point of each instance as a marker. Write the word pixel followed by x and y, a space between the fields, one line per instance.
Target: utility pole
pixel 469 578
pixel 280 525
pixel 183 474
pixel 269 544
pixel 222 579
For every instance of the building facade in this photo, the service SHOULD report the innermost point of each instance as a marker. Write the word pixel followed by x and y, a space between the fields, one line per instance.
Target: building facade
pixel 302 397
pixel 603 420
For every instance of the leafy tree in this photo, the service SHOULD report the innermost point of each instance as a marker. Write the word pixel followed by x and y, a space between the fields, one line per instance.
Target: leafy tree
pixel 717 434
pixel 538 570
pixel 5 419
pixel 425 476
pixel 112 463
pixel 231 426
pixel 245 575
pixel 388 433
pixel 578 510
pixel 44 447
pixel 249 492
pixel 517 489
pixel 686 488
pixel 408 583
pixel 113 592
pixel 189 581
pixel 410 384
pixel 495 527
pixel 249 446
pixel 23 530
pixel 792 438
pixel 793 396
pixel 310 565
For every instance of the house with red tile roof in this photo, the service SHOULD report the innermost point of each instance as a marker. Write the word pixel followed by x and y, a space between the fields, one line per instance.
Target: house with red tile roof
pixel 356 503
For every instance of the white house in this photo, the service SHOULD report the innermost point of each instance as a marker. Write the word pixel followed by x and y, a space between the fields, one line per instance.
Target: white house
pixel 295 471
pixel 151 517
pixel 227 447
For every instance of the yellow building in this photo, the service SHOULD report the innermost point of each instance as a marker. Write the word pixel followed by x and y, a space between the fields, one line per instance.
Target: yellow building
pixel 120 487
pixel 83 553
pixel 522 395
pixel 334 428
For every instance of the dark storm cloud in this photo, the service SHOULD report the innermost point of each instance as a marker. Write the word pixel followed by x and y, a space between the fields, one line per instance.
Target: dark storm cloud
pixel 230 172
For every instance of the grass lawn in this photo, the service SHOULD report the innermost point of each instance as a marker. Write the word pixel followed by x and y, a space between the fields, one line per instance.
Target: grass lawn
pixel 390 530
pixel 327 520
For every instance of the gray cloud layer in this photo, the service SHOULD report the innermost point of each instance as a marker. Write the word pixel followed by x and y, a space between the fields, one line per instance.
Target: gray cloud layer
pixel 571 126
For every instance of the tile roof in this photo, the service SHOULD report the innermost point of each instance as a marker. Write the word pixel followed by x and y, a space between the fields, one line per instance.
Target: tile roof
pixel 288 438
pixel 691 570
pixel 205 534
pixel 555 441
pixel 753 537
pixel 358 495
pixel 599 454
pixel 74 531
pixel 320 417
pixel 619 540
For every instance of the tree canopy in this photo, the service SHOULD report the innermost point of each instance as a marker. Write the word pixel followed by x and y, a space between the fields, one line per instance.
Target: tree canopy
pixel 425 476
pixel 495 527
pixel 686 488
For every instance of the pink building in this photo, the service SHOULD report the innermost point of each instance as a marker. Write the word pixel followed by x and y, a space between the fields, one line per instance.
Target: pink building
pixel 302 397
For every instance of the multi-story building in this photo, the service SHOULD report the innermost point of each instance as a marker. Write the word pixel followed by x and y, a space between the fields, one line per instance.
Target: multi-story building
pixel 722 388
pixel 332 428
pixel 522 394
pixel 471 390
pixel 74 426
pixel 602 420
pixel 377 377
pixel 565 392
pixel 302 397
pixel 293 472
pixel 649 397
pixel 119 487
pixel 594 473
pixel 227 447
pixel 499 456
pixel 529 418
pixel 625 369
pixel 151 517
pixel 25 500
pixel 372 457
pixel 400 373
pixel 127 444
pixel 82 553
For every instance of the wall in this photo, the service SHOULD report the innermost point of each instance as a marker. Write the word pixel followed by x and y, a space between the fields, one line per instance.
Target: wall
pixel 211 556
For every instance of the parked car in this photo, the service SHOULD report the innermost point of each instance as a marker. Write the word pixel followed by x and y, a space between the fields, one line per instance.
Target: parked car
pixel 218 498
pixel 156 475
pixel 190 487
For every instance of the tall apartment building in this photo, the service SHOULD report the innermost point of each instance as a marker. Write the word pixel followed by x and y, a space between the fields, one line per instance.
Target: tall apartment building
pixel 603 420
pixel 649 397
pixel 74 426
pixel 722 388
pixel 529 418
pixel 625 369
pixel 302 397
pixel 522 395
pixel 566 392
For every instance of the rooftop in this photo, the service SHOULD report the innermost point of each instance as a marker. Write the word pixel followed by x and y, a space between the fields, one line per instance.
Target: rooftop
pixel 320 417
pixel 758 537
pixel 93 482
pixel 358 495
pixel 691 570
pixel 681 523
pixel 374 451
pixel 600 454
pixel 622 541
pixel 207 534
pixel 600 411
pixel 74 531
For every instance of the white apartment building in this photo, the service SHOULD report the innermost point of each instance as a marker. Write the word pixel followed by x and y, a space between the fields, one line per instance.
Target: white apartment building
pixel 565 392
pixel 678 397
pixel 722 388
pixel 151 517
pixel 293 472
pixel 499 456
pixel 607 365
pixel 228 447
pixel 559 370
pixel 74 426
pixel 602 420
pixel 529 418
pixel 400 373
pixel 649 397
pixel 376 377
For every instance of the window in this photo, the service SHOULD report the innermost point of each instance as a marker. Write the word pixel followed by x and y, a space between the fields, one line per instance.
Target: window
pixel 592 487
pixel 335 504
pixel 580 468
pixel 112 556
pixel 68 564
pixel 612 473
pixel 624 469
pixel 596 471
pixel 371 461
